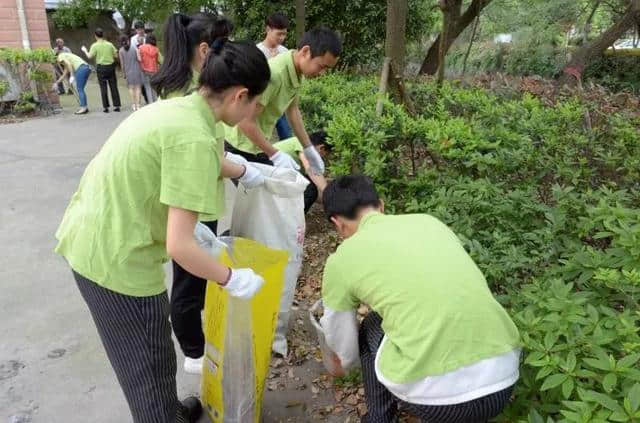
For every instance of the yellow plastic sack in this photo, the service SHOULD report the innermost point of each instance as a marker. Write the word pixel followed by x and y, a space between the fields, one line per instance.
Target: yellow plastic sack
pixel 239 335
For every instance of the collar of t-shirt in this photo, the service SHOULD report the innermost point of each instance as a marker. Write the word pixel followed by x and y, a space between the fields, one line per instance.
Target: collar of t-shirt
pixel 294 79
pixel 366 219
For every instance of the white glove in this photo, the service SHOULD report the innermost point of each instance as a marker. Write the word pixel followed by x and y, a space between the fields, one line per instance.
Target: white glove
pixel 208 240
pixel 244 283
pixel 315 161
pixel 252 177
pixel 71 80
pixel 281 159
pixel 236 158
pixel 54 87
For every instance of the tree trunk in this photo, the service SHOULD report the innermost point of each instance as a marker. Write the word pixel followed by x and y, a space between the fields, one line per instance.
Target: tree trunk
pixel 572 72
pixel 394 46
pixel 300 18
pixel 458 23
pixel 473 36
pixel 587 24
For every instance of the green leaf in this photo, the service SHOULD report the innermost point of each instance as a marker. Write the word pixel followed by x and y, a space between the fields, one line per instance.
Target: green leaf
pixel 628 361
pixel 609 382
pixel 553 381
pixel 571 362
pixel 567 388
pixel 535 417
pixel 544 372
pixel 634 397
pixel 618 416
pixel 550 339
pixel 604 400
pixel 598 364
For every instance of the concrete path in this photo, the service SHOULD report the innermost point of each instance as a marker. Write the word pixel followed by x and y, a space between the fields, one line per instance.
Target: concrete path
pixel 52 365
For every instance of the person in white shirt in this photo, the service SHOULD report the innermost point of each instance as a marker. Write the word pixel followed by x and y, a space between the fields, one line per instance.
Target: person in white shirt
pixel 277 26
pixel 139 37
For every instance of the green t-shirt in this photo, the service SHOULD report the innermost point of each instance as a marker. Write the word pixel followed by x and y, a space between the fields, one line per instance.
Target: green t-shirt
pixel 193 85
pixel 282 90
pixel 74 61
pixel 292 147
pixel 114 230
pixel 103 51
pixel 438 314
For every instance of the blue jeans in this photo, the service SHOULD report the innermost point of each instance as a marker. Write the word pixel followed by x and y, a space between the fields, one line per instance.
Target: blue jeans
pixel 82 75
pixel 283 128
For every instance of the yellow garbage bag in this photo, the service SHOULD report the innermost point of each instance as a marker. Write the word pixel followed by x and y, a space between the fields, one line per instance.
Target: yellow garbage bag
pixel 239 334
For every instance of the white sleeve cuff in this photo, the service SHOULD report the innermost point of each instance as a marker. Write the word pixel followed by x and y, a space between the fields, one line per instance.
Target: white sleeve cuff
pixel 341 333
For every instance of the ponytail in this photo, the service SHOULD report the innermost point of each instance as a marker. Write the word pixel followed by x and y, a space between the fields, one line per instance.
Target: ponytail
pixel 231 63
pixel 182 35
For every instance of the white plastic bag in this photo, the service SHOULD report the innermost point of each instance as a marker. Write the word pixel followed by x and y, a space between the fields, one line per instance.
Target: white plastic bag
pixel 273 214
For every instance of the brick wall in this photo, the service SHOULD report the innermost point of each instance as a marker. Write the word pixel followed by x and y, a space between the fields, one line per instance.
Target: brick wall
pixel 37 26
pixel 9 27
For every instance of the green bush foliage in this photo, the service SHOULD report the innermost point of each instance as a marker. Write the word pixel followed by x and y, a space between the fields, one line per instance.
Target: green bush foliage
pixel 549 209
pixel 360 22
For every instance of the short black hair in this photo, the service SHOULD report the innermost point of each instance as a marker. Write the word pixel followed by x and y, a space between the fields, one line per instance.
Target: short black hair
pixel 99 32
pixel 277 20
pixel 151 39
pixel 138 25
pixel 321 40
pixel 320 138
pixel 347 195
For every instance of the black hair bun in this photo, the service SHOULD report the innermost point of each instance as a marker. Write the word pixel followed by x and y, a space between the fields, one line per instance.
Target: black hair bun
pixel 218 45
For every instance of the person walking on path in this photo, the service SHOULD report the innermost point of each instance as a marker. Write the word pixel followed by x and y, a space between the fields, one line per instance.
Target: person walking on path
pixel 78 71
pixel 138 203
pixel 105 54
pixel 150 58
pixel 130 63
pixel 277 26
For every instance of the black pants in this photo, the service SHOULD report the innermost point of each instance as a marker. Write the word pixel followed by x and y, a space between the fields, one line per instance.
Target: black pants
pixel 383 405
pixel 136 335
pixel 256 158
pixel 107 75
pixel 310 195
pixel 187 301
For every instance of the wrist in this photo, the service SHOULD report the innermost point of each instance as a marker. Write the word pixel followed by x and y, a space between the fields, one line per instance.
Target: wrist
pixel 227 279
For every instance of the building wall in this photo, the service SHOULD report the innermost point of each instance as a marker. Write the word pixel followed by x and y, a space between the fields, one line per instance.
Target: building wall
pixel 11 36
pixel 37 26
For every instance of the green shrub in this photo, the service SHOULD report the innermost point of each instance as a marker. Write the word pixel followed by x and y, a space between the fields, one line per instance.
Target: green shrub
pixel 547 208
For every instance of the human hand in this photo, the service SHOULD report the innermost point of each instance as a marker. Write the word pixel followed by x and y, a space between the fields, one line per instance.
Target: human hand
pixel 281 159
pixel 243 283
pixel 252 177
pixel 315 161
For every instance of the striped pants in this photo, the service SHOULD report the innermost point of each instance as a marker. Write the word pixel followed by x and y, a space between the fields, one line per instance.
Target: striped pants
pixel 136 335
pixel 382 405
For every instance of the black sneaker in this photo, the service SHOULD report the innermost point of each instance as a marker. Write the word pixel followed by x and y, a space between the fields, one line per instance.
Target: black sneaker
pixel 116 109
pixel 105 110
pixel 191 409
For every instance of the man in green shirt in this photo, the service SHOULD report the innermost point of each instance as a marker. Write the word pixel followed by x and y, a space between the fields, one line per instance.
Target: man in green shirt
pixel 436 341
pixel 318 51
pixel 105 54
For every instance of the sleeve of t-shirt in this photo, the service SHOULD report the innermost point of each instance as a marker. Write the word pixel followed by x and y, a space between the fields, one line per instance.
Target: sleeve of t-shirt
pixel 269 94
pixel 92 50
pixel 189 175
pixel 113 49
pixel 335 291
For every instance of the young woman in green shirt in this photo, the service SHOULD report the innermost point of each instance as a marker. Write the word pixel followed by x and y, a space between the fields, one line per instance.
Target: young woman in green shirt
pixel 139 200
pixel 187 40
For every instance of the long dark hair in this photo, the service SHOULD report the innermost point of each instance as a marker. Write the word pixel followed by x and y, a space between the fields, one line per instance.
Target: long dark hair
pixel 182 35
pixel 124 42
pixel 231 63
